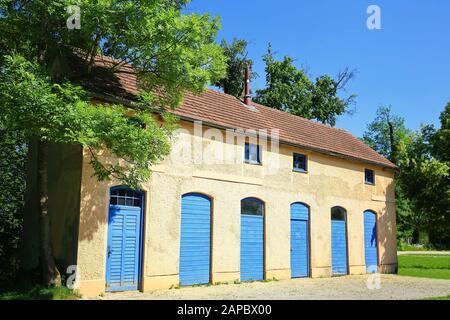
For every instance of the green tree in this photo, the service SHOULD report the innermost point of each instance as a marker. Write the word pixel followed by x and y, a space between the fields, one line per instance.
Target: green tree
pixel 425 180
pixel 441 140
pixel 385 134
pixel 236 55
pixel 290 89
pixel 426 177
pixel 171 53
pixel 13 156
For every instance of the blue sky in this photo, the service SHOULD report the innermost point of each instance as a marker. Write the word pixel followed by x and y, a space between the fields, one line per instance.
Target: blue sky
pixel 405 64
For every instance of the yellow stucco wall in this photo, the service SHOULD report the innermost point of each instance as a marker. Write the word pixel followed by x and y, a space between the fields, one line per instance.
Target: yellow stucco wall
pixel 330 181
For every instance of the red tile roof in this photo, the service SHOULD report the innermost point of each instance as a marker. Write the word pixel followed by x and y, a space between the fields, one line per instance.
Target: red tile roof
pixel 223 110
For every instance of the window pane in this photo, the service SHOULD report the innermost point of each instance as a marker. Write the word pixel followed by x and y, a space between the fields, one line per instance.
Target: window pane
pixel 252 153
pixel 247 152
pixel 130 193
pixel 300 162
pixel 252 207
pixel 258 154
pixel 369 176
pixel 125 197
pixel 338 213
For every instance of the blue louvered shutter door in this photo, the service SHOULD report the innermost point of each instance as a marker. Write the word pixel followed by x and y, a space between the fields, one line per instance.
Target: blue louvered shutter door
pixel 114 254
pixel 252 247
pixel 339 247
pixel 370 242
pixel 123 248
pixel 130 262
pixel 195 240
pixel 299 240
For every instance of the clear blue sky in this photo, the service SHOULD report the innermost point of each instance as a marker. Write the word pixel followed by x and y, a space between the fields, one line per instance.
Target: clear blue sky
pixel 406 64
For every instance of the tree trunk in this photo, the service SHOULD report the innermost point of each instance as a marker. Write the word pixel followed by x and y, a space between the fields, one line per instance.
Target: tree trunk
pixel 50 273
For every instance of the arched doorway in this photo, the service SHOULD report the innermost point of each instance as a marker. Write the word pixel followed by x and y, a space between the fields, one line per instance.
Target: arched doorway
pixel 339 241
pixel 299 240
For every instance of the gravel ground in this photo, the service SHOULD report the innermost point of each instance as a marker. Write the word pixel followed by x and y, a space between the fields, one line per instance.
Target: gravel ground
pixel 346 288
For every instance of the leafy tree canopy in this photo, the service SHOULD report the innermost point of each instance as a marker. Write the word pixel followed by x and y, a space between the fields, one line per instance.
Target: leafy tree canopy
pixel 426 182
pixel 236 55
pixel 13 155
pixel 423 182
pixel 31 104
pixel 170 50
pixel 290 89
pixel 385 133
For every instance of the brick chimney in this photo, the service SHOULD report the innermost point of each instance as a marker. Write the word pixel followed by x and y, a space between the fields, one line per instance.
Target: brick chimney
pixel 247 97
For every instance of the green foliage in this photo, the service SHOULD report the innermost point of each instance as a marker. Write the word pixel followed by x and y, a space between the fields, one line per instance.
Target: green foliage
pixel 42 293
pixel 13 155
pixel 385 133
pixel 423 184
pixel 441 140
pixel 289 89
pixel 170 50
pixel 31 104
pixel 403 246
pixel 236 55
pixel 426 181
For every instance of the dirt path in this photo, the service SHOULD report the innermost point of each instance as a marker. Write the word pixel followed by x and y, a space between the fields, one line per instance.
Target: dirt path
pixel 350 287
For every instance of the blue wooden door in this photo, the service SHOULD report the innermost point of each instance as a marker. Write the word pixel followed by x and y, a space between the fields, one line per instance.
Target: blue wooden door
pixel 339 242
pixel 299 240
pixel 195 241
pixel 252 248
pixel 252 240
pixel 370 241
pixel 124 248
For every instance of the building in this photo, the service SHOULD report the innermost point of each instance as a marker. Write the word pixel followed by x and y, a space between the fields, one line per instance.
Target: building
pixel 271 195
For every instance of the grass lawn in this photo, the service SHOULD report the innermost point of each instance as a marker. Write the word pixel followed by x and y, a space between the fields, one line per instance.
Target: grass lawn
pixel 438 298
pixel 437 267
pixel 41 293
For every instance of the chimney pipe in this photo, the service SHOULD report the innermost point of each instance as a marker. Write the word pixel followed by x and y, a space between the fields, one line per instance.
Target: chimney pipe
pixel 247 97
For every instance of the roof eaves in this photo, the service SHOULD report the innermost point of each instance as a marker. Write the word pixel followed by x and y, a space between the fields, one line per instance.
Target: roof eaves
pixel 293 144
pixel 128 103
